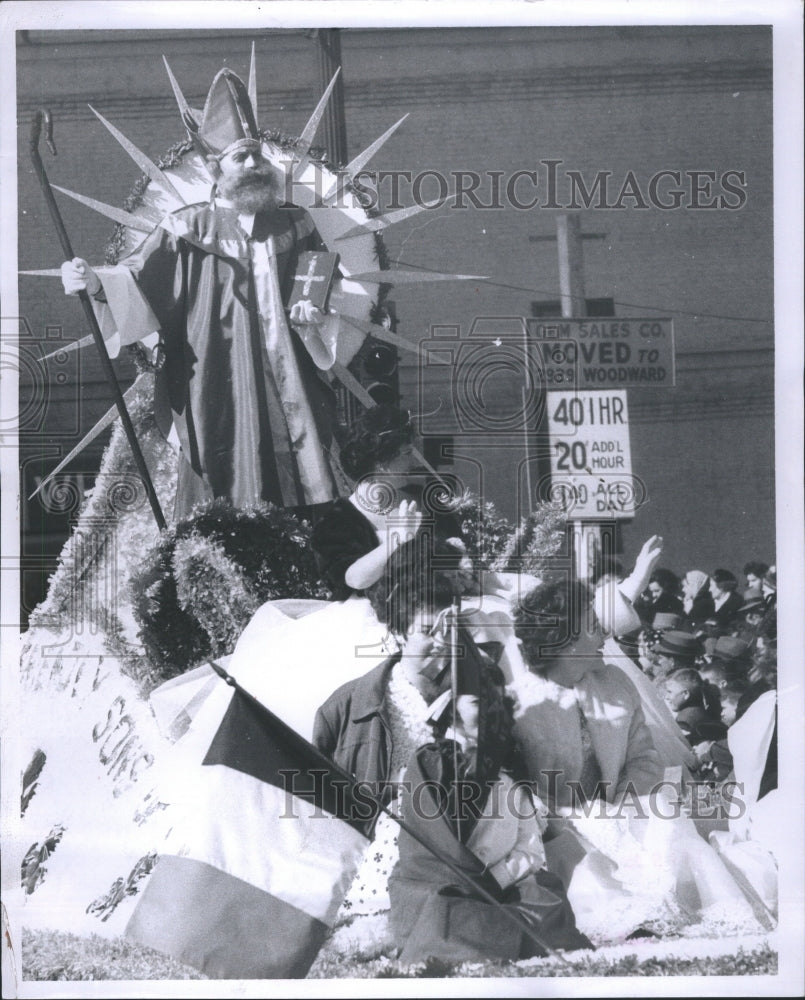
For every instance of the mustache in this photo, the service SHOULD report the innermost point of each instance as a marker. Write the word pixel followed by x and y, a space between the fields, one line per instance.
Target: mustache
pixel 254 179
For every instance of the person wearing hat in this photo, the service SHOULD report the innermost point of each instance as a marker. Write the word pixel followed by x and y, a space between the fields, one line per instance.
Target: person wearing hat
pixel 753 616
pixel 734 652
pixel 711 628
pixel 662 622
pixel 753 601
pixel 240 387
pixel 463 794
pixel 677 650
pixel 726 601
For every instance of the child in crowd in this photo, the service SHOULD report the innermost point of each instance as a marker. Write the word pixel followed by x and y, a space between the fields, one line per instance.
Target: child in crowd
pixel 684 692
pixel 715 673
pixel 715 756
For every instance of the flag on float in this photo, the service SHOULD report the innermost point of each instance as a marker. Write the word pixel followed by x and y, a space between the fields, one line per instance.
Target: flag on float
pixel 248 886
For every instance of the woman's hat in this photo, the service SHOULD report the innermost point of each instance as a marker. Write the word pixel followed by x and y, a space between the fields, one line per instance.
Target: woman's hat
pixel 678 643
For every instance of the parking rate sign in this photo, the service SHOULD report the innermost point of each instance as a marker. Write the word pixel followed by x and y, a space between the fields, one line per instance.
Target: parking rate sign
pixel 591 462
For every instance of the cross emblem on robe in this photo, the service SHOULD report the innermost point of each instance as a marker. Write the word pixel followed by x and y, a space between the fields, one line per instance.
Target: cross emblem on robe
pixel 308 278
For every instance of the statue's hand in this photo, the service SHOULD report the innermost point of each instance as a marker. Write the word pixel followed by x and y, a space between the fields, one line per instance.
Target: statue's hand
pixel 77 276
pixel 306 314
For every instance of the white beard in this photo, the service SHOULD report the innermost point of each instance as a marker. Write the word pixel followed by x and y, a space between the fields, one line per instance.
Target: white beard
pixel 258 194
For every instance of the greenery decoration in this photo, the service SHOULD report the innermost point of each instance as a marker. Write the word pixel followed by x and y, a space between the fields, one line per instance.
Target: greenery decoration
pixel 538 539
pixel 199 586
pixel 59 956
pixel 213 589
pixel 484 530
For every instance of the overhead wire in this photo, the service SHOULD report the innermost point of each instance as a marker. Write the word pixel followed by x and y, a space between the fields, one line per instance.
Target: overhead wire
pixel 672 311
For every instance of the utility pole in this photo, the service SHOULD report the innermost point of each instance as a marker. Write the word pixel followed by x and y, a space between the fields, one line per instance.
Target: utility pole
pixel 571 265
pixel 328 43
pixel 586 536
pixel 569 239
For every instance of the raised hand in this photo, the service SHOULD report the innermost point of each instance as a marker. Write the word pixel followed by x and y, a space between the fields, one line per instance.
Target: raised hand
pixel 649 555
pixel 405 521
pixel 637 581
pixel 401 525
pixel 77 276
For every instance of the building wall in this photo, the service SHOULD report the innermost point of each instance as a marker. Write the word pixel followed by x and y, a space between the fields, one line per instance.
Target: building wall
pixel 613 99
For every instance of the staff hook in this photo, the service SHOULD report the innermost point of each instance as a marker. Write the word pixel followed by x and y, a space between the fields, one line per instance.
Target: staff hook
pixel 42 117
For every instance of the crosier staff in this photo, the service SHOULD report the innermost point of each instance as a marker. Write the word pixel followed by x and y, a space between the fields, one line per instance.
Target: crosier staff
pixel 455 610
pixel 43 117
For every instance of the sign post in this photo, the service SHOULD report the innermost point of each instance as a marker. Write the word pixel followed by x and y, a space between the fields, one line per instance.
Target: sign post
pixel 574 303
pixel 587 365
pixel 591 461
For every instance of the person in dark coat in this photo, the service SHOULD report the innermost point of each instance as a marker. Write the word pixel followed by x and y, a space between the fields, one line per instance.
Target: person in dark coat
pixel 697 599
pixel 459 796
pixel 726 601
pixel 661 596
pixel 684 692
pixel 371 725
pixel 354 537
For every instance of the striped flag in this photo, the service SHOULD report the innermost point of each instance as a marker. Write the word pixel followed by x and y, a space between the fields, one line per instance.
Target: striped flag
pixel 249 884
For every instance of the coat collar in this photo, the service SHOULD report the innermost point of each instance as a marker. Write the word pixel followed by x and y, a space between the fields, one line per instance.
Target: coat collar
pixel 369 694
pixel 217 228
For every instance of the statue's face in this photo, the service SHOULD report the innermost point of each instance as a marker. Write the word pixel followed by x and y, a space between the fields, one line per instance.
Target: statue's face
pixel 247 179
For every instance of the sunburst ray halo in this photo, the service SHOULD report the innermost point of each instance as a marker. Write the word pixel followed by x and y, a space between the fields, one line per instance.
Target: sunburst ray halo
pixel 338 212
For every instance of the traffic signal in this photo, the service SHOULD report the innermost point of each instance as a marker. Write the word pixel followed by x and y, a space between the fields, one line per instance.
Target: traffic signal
pixel 376 365
pixel 380 368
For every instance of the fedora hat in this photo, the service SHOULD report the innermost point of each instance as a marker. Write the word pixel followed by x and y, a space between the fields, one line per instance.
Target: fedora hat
pixel 753 600
pixel 731 649
pixel 678 643
pixel 668 620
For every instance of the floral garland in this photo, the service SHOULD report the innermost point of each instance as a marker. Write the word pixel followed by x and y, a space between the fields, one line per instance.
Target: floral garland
pixel 538 539
pixel 484 531
pixel 116 504
pixel 200 584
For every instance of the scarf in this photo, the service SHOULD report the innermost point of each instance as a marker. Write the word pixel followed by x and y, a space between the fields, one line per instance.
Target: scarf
pixel 696 580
